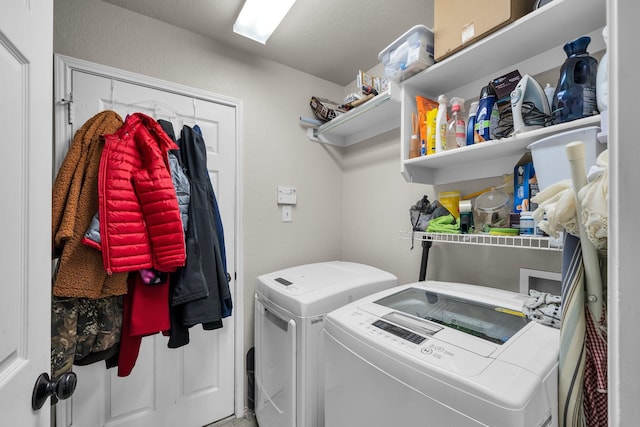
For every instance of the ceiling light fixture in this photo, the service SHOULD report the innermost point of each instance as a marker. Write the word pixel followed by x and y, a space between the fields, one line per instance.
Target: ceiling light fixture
pixel 259 18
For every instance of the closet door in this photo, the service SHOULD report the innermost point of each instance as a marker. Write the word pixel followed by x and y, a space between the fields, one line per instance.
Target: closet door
pixel 193 385
pixel 26 28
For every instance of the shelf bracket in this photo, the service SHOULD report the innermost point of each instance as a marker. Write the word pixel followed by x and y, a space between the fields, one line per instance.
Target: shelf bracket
pixel 312 135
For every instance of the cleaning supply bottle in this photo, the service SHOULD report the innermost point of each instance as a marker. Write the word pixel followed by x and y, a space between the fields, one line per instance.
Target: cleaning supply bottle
pixel 485 110
pixel 471 125
pixel 441 124
pixel 431 131
pixel 527 223
pixel 494 121
pixel 575 95
pixel 457 127
pixel 414 143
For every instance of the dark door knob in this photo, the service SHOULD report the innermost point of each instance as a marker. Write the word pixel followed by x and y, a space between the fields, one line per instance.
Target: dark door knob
pixel 60 389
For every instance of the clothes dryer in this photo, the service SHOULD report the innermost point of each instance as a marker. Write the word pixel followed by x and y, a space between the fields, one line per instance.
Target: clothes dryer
pixel 439 354
pixel 290 308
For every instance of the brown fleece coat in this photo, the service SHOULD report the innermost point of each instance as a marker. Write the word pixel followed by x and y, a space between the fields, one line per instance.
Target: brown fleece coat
pixel 81 271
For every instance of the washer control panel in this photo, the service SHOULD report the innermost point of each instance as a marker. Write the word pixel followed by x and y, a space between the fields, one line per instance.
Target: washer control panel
pixel 421 341
pixel 399 332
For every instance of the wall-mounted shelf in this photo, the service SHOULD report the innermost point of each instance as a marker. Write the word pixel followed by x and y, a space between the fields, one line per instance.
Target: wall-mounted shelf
pixel 378 115
pixel 516 242
pixel 486 159
pixel 531 45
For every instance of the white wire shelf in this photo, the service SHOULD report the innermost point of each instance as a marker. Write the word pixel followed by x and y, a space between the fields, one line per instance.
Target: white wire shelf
pixel 520 242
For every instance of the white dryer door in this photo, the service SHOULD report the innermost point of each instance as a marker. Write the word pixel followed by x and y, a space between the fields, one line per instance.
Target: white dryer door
pixel 275 353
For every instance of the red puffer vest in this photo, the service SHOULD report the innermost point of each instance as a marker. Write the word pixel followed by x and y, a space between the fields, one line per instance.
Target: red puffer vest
pixel 140 224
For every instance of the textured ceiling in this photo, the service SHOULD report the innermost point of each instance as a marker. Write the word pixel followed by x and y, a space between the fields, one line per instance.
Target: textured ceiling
pixel 331 39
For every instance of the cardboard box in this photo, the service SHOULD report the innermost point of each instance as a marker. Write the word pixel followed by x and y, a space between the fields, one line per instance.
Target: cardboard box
pixel 503 86
pixel 525 184
pixel 459 23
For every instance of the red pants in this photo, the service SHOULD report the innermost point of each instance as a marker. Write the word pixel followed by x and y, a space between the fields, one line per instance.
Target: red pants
pixel 146 312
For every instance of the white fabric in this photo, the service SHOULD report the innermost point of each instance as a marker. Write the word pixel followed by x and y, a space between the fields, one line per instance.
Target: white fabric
pixel 595 200
pixel 543 308
pixel 557 210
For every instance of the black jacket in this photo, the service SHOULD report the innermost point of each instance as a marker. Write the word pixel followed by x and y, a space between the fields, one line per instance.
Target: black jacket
pixel 200 291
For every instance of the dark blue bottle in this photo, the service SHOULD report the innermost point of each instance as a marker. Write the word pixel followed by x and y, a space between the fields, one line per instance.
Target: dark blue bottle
pixel 484 114
pixel 471 123
pixel 575 95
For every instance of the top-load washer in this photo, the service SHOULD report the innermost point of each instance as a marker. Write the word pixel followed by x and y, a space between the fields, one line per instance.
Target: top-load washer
pixel 290 308
pixel 439 354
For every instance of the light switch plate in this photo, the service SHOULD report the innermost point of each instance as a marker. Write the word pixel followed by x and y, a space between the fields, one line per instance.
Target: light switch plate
pixel 286 213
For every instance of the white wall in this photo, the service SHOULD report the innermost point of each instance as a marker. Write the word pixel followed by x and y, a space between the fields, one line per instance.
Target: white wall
pixel 276 150
pixel 376 211
pixel 376 207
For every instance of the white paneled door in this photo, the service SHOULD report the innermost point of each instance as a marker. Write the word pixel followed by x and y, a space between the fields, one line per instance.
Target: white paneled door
pixel 26 48
pixel 192 385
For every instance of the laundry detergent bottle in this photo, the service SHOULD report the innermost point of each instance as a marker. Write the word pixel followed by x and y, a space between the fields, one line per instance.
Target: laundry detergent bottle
pixel 471 123
pixel 575 95
pixel 484 114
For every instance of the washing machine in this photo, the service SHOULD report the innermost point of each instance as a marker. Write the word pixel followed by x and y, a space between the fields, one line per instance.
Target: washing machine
pixel 290 309
pixel 439 354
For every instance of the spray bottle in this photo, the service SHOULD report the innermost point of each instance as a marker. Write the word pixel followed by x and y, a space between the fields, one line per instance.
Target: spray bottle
pixel 470 137
pixel 441 124
pixel 457 127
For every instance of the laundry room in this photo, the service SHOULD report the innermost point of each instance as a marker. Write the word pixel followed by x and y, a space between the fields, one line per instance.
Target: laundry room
pixel 371 241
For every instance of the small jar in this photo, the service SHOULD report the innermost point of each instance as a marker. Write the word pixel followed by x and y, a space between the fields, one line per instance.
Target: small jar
pixel 527 224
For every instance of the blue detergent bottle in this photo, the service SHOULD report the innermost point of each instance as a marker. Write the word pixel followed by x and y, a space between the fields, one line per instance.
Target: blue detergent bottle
pixel 483 117
pixel 575 95
pixel 471 123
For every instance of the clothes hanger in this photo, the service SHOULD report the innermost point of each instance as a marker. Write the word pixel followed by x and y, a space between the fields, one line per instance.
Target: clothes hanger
pixel 151 107
pixel 158 108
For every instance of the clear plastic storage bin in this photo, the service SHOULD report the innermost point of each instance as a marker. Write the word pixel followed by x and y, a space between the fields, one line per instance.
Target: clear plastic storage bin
pixel 409 54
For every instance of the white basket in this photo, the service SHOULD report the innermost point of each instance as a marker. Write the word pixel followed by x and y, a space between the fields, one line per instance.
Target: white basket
pixel 550 159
